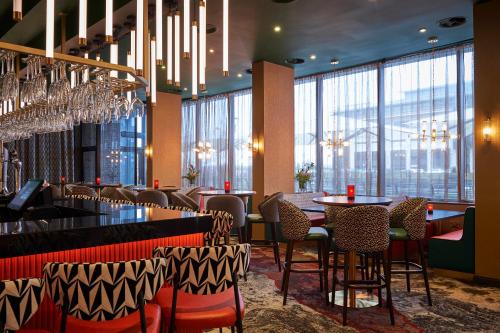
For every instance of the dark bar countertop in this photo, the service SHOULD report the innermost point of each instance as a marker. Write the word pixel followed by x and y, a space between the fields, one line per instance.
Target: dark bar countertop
pixel 105 224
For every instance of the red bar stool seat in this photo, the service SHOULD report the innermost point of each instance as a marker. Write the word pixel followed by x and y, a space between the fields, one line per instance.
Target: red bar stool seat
pixel 197 312
pixel 129 324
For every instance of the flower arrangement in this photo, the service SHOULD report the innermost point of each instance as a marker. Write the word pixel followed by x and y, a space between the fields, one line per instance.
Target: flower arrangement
pixel 192 174
pixel 304 174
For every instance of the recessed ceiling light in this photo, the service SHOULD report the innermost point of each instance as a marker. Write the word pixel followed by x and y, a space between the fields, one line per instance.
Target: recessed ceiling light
pixel 334 61
pixel 422 30
pixel 432 40
pixel 277 28
pixel 185 89
pixel 239 75
pixel 211 51
pixel 312 57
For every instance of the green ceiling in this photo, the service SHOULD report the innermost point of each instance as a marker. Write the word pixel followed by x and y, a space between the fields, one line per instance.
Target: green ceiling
pixel 354 31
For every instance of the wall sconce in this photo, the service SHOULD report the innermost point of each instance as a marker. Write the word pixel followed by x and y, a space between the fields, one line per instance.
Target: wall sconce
pixel 148 151
pixel 487 130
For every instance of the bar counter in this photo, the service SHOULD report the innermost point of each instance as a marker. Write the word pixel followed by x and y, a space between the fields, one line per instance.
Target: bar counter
pixel 107 233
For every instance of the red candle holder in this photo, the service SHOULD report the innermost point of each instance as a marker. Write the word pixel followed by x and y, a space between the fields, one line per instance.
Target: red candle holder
pixel 63 180
pixel 351 192
pixel 156 184
pixel 98 180
pixel 227 186
pixel 430 208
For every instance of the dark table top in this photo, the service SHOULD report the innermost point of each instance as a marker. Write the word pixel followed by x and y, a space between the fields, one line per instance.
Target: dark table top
pixel 436 216
pixel 359 200
pixel 165 189
pixel 105 224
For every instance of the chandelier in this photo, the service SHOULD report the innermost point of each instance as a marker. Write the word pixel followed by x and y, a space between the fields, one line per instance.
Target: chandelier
pixel 335 141
pixel 436 131
pixel 204 150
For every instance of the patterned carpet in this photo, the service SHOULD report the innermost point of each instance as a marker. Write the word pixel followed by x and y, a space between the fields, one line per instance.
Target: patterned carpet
pixel 458 306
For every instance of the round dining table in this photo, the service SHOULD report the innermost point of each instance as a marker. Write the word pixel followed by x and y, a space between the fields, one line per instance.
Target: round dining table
pixel 242 194
pixel 356 299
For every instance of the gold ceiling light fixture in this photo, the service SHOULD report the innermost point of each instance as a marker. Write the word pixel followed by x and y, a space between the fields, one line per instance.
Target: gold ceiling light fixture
pixel 204 150
pixel 82 22
pixel 335 140
pixel 17 10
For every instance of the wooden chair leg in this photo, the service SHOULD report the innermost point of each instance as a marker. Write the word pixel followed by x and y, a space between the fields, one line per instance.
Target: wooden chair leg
pixel 376 257
pixel 249 234
pixel 320 265
pixel 346 289
pixel 407 266
pixel 424 271
pixel 326 260
pixel 387 275
pixel 276 246
pixel 288 267
pixel 334 279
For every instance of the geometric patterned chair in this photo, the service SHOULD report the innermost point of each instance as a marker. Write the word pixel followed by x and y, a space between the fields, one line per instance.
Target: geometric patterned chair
pixel 107 297
pixel 268 215
pixel 179 199
pixel 79 191
pixel 296 227
pixel 408 224
pixel 203 286
pixel 234 206
pixel 19 300
pixel 363 230
pixel 158 198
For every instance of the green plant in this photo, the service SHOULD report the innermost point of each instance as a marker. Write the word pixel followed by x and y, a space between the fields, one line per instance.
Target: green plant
pixel 191 174
pixel 304 174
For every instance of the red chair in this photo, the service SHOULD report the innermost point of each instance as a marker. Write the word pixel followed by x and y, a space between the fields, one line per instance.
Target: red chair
pixel 202 294
pixel 19 300
pixel 107 297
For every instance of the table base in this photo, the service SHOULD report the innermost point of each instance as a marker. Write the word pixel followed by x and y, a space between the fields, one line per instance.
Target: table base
pixel 363 299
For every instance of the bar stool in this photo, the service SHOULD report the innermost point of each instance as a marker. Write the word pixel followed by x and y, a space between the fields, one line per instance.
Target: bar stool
pixel 179 199
pixel 107 297
pixel 363 230
pixel 203 282
pixel 408 221
pixel 234 206
pixel 19 301
pixel 269 215
pixel 296 227
pixel 152 197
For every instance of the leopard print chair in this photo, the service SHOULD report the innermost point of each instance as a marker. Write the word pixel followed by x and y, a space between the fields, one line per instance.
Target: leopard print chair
pixel 296 227
pixel 199 276
pixel 363 230
pixel 408 223
pixel 19 300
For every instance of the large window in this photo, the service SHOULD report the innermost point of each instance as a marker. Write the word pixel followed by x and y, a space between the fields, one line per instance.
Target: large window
pixel 225 122
pixel 394 101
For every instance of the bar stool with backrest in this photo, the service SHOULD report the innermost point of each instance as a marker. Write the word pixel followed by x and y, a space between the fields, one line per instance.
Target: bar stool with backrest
pixel 363 230
pixel 79 191
pixel 202 291
pixel 179 199
pixel 107 297
pixel 269 215
pixel 152 198
pixel 234 206
pixel 296 227
pixel 19 301
pixel 408 222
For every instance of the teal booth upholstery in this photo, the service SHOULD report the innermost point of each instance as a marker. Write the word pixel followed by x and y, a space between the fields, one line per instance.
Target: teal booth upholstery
pixel 455 250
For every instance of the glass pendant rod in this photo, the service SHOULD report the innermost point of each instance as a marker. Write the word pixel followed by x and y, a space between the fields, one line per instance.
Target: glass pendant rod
pixel 194 61
pixel 49 30
pixel 187 21
pixel 177 51
pixel 159 32
pixel 17 10
pixel 203 44
pixel 170 33
pixel 109 21
pixel 82 23
pixel 153 70
pixel 140 37
pixel 225 38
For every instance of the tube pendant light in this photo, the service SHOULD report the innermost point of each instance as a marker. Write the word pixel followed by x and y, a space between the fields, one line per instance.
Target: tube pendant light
pixel 130 78
pixel 159 32
pixel 49 30
pixel 17 10
pixel 113 57
pixel 152 82
pixel 140 35
pixel 132 48
pixel 225 38
pixel 177 50
pixel 187 20
pixel 82 23
pixel 109 21
pixel 86 72
pixel 170 33
pixel 194 61
pixel 203 44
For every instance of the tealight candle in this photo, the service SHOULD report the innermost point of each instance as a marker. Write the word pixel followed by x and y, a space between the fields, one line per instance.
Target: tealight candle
pixel 227 186
pixel 156 184
pixel 430 208
pixel 98 180
pixel 351 191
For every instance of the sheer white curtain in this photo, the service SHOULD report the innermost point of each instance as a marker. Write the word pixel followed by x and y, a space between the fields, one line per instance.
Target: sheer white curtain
pixel 188 135
pixel 349 101
pixel 241 129
pixel 213 128
pixel 305 126
pixel 468 103
pixel 418 90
